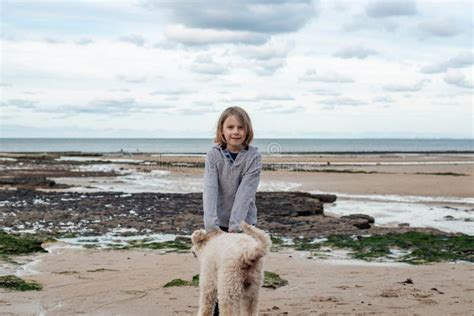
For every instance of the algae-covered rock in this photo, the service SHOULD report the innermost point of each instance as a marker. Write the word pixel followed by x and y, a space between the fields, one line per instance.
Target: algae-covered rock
pixel 19 245
pixel 181 282
pixel 273 280
pixel 14 283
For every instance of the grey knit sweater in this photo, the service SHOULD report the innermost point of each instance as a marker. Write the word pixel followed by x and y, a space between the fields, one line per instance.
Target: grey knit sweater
pixel 229 189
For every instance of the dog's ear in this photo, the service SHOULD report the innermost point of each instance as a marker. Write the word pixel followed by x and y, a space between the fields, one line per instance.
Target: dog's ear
pixel 199 237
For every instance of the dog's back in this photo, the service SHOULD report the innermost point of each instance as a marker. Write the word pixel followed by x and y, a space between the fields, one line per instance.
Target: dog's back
pixel 231 270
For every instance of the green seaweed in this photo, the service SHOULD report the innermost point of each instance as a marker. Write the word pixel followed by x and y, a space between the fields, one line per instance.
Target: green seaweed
pixel 14 283
pixel 421 247
pixel 181 282
pixel 19 244
pixel 88 240
pixel 273 280
pixel 455 174
pixel 7 259
pixel 102 270
pixel 277 244
pixel 305 244
pixel 176 245
pixel 91 246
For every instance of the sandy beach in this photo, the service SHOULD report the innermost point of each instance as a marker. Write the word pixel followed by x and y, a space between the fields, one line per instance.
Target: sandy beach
pixel 129 282
pixel 95 282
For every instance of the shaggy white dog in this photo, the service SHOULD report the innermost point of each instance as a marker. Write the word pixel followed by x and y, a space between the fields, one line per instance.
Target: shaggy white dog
pixel 231 270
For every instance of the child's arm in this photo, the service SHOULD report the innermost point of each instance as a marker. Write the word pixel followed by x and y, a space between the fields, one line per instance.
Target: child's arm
pixel 210 193
pixel 245 193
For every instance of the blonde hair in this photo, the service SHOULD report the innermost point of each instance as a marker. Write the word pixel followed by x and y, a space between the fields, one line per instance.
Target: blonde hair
pixel 242 116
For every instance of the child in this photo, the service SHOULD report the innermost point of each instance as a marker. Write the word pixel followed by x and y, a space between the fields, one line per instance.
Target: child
pixel 232 174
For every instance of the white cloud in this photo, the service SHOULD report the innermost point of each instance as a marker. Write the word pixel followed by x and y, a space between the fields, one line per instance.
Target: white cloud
pixel 206 65
pixel 388 8
pixel 327 76
pixel 197 36
pixel 171 91
pixel 358 51
pixel 383 99
pixel 51 40
pixel 84 41
pixel 270 50
pixel 272 17
pixel 442 28
pixel 260 97
pixel 462 60
pixel 132 79
pixel 134 39
pixel 406 87
pixel 20 103
pixel 341 101
pixel 457 78
pixel 325 92
pixel 363 22
pixel 281 109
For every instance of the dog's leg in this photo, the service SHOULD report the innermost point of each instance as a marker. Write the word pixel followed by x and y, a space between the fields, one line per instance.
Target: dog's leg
pixel 229 307
pixel 250 301
pixel 251 290
pixel 229 294
pixel 207 299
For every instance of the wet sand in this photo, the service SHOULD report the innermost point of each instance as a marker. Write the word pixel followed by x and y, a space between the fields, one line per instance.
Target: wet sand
pixel 435 174
pixel 130 282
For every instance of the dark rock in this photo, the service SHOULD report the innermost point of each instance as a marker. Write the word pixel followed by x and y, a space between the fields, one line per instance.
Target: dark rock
pixel 289 203
pixel 304 213
pixel 370 219
pixel 407 281
pixel 325 198
pixel 100 212
pixel 360 223
pixel 34 181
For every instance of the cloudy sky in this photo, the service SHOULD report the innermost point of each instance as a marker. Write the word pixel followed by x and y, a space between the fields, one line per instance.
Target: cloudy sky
pixel 300 68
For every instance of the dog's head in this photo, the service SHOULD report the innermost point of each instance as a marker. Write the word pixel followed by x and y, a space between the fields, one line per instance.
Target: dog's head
pixel 198 238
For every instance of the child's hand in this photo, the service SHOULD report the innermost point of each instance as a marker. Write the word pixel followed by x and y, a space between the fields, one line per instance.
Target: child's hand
pixel 214 233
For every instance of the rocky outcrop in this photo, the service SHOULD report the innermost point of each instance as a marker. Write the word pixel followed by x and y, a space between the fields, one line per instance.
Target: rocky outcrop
pixel 361 221
pixel 291 214
pixel 291 203
pixel 365 217
pixel 33 182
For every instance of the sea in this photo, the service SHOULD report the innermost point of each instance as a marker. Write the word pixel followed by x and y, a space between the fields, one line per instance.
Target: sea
pixel 265 145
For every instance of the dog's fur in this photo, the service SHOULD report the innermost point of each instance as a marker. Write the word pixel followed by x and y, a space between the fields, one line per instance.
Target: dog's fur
pixel 231 270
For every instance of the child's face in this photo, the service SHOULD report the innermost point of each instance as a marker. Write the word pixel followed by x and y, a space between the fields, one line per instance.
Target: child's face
pixel 234 133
